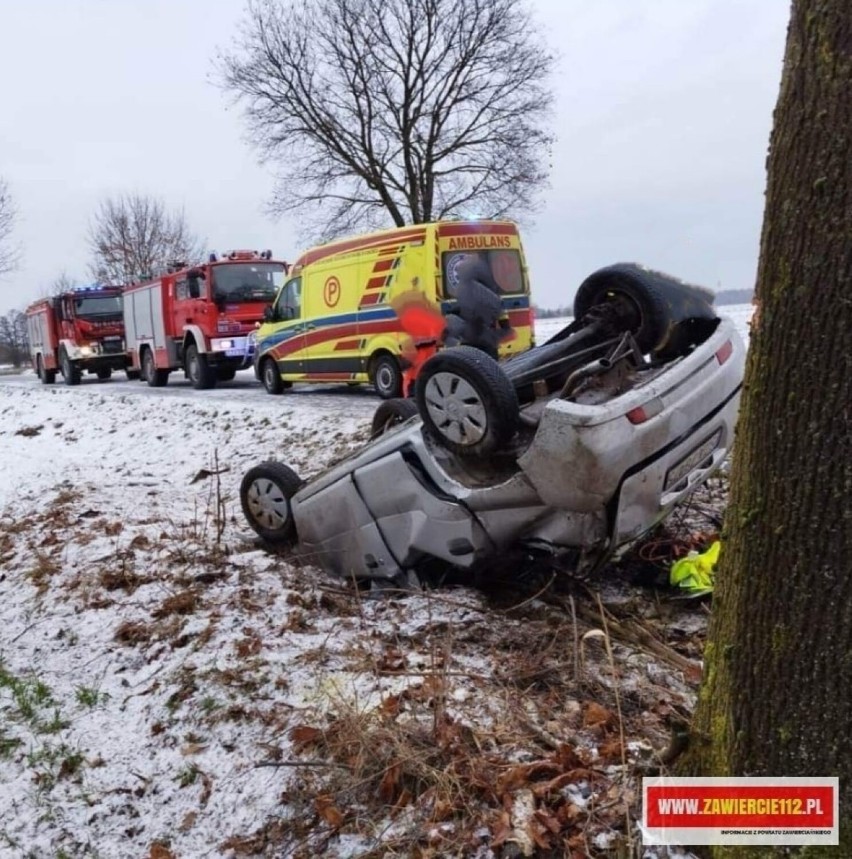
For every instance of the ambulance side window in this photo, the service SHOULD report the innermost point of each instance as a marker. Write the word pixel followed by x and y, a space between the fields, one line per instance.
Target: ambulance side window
pixel 289 304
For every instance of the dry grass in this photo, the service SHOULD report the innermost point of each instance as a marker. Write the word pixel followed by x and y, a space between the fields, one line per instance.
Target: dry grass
pixel 182 603
pixel 44 568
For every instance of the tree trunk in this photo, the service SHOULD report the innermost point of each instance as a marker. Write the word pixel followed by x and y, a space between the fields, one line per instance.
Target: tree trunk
pixel 777 693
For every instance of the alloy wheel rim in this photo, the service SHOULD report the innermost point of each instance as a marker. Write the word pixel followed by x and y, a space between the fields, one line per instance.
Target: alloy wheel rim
pixel 268 504
pixel 456 408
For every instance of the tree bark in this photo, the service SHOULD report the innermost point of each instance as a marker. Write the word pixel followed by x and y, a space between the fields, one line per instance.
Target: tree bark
pixel 777 693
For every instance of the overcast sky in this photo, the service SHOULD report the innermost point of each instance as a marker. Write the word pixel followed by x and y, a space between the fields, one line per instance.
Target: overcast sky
pixel 664 109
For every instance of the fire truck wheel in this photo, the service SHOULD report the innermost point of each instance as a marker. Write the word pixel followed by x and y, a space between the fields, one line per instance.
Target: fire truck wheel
pixel 265 494
pixel 387 377
pixel 154 377
pixel 391 413
pixel 103 375
pixel 200 373
pixel 225 374
pixel 48 377
pixel 468 404
pixel 70 374
pixel 271 377
pixel 133 375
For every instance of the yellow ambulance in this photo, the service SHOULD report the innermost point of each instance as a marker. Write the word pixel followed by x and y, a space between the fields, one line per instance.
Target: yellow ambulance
pixel 336 317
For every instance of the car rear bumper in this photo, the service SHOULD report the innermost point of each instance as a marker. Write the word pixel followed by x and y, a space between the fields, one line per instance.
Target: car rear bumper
pixel 582 455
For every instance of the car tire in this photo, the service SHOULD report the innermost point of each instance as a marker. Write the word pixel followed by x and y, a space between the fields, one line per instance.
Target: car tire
pixel 270 376
pixel 104 374
pixel 662 313
pixel 199 371
pixel 467 402
pixel 265 494
pixel 391 413
pixel 387 377
pixel 154 377
pixel 70 374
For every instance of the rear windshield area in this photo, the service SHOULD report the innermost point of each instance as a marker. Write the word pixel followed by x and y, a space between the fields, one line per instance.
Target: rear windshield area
pixel 504 265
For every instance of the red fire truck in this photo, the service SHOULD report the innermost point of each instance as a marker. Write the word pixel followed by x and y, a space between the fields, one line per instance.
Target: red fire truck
pixel 200 319
pixel 76 332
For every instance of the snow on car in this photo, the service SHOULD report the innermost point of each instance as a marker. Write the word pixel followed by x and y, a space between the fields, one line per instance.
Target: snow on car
pixel 572 449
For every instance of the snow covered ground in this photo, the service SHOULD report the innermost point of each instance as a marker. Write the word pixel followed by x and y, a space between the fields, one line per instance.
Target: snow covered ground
pixel 152 655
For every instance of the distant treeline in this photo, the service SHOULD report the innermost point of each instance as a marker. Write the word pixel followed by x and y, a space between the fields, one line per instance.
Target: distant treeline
pixel 552 312
pixel 726 296
pixel 735 296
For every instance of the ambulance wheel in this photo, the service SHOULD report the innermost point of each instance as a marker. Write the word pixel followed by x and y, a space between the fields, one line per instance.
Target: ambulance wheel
pixel 200 373
pixel 70 374
pixel 391 413
pixel 467 402
pixel 105 374
pixel 48 377
pixel 154 377
pixel 387 377
pixel 265 494
pixel 270 376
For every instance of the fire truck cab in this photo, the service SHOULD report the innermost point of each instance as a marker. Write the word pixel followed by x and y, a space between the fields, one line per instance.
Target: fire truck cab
pixel 76 332
pixel 200 319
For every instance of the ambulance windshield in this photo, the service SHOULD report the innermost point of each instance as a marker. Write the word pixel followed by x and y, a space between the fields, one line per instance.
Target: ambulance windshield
pixel 247 281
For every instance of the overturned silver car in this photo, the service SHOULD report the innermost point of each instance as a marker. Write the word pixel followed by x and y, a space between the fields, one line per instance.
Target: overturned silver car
pixel 572 449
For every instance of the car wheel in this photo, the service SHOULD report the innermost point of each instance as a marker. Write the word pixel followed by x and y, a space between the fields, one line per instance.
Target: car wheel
pixel 466 401
pixel 154 377
pixel 200 373
pixel 270 376
pixel 70 374
pixel 104 374
pixel 391 413
pixel 661 313
pixel 265 494
pixel 387 377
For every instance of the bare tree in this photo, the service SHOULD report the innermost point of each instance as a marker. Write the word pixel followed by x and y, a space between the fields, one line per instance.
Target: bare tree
pixel 413 109
pixel 14 338
pixel 8 253
pixel 63 282
pixel 132 236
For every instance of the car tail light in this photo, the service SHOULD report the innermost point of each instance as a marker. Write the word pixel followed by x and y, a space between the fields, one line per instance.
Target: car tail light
pixel 724 352
pixel 645 412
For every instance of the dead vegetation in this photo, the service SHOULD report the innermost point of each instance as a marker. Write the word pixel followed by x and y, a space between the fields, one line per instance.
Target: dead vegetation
pixel 512 720
pixel 530 757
